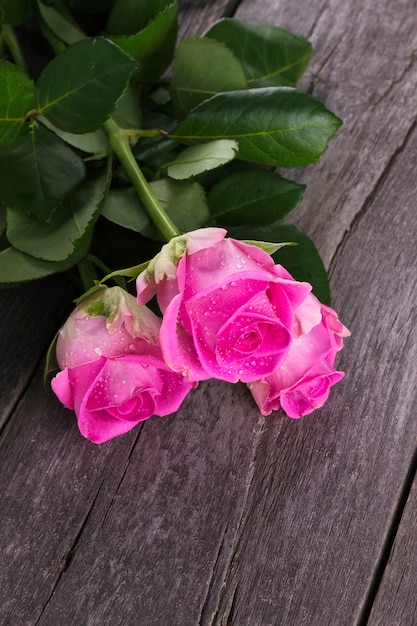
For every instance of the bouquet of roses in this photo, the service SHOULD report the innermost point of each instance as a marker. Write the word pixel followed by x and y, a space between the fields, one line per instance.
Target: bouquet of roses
pixel 102 160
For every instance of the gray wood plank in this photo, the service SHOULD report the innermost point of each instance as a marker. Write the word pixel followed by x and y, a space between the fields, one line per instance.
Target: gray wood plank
pixel 215 515
pixel 153 543
pixel 29 318
pixel 396 602
pixel 365 69
pixel 139 525
pixel 49 479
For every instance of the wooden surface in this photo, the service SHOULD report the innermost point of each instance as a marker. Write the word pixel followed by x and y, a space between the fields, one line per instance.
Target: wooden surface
pixel 216 516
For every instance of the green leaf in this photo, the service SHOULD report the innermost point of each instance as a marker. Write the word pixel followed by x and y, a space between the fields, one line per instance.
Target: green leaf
pixel 59 25
pixel 257 197
pixel 184 202
pixel 202 157
pixel 153 26
pixel 276 126
pixel 127 112
pixel 268 246
pixel 56 241
pixel 94 142
pixel 302 261
pixel 17 98
pixel 154 152
pixel 128 17
pixel 38 172
pixel 270 56
pixel 125 209
pixel 149 42
pixel 17 267
pixel 78 89
pixel 128 272
pixel 3 221
pixel 203 68
pixel 15 12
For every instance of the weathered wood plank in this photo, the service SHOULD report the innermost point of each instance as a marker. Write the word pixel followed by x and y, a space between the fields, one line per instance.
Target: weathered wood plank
pixel 49 480
pixel 364 68
pixel 142 522
pixel 216 516
pixel 324 489
pixel 29 318
pixel 396 602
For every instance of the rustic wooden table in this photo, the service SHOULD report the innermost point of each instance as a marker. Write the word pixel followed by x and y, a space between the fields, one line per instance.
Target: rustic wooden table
pixel 216 516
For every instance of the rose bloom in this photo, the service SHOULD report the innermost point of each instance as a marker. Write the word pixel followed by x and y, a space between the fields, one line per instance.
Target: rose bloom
pixel 113 374
pixel 228 311
pixel 302 382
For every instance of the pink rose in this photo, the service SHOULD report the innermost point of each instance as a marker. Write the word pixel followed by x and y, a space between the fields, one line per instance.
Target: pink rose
pixel 113 374
pixel 228 310
pixel 302 382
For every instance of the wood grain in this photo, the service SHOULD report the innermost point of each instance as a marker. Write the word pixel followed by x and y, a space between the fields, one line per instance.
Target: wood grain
pixel 31 314
pixel 396 602
pixel 216 516
pixel 140 524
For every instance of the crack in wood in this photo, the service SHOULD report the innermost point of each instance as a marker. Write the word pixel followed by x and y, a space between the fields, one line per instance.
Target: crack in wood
pixel 371 196
pixel 69 555
pixel 214 572
pixel 388 544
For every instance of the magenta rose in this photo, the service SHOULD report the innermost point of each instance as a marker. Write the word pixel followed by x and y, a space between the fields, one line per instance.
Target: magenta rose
pixel 302 382
pixel 228 310
pixel 113 374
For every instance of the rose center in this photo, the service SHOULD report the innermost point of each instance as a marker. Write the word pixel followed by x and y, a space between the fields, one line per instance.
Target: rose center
pixel 249 340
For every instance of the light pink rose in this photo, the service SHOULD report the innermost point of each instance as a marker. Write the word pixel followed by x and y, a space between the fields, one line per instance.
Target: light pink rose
pixel 302 382
pixel 113 374
pixel 228 310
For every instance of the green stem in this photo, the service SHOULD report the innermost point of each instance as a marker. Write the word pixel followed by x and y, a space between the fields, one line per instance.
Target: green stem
pixel 12 43
pixel 87 273
pixel 119 143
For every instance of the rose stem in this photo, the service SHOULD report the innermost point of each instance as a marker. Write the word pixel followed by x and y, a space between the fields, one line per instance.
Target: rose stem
pixel 120 145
